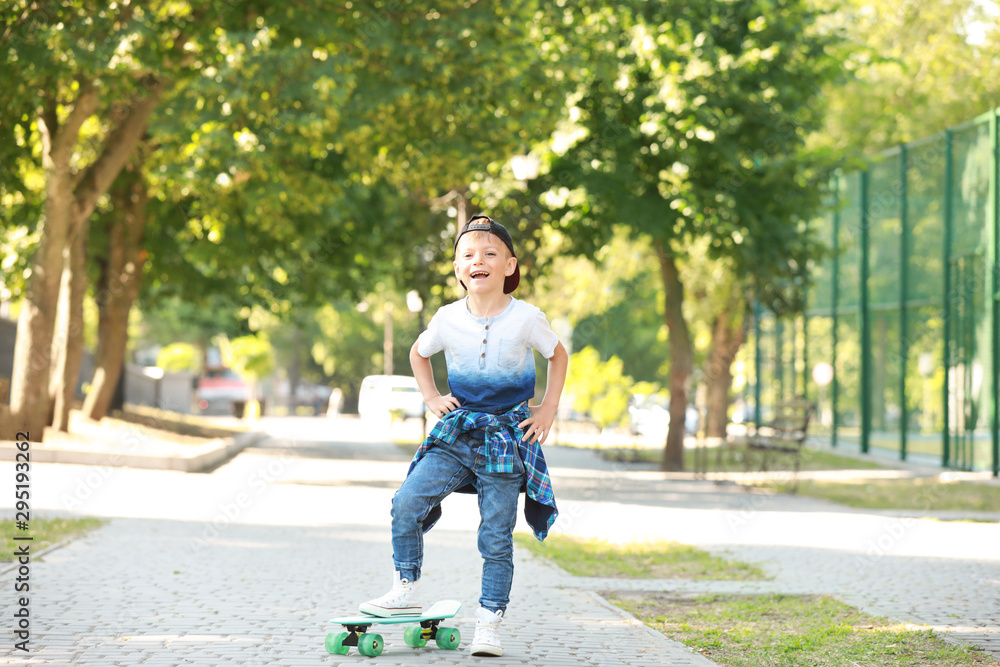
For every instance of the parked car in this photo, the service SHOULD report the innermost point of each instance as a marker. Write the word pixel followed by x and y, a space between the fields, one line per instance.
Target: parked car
pixel 381 395
pixel 220 391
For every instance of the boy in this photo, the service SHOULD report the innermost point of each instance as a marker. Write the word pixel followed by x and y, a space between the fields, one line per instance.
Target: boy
pixel 488 440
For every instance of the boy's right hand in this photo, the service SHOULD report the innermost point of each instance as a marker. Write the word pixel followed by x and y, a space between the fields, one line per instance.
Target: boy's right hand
pixel 440 405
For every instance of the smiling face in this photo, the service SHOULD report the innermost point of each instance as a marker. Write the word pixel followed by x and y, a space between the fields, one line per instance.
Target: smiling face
pixel 483 262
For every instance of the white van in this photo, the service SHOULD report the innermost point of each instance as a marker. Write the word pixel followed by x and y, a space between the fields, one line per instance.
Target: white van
pixel 381 394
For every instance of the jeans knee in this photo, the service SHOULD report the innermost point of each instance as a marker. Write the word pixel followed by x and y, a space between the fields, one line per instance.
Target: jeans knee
pixel 497 546
pixel 404 509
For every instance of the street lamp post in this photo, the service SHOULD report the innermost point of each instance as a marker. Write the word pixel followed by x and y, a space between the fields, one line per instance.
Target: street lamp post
pixel 822 374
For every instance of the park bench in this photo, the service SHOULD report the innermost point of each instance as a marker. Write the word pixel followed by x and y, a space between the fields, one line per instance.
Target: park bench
pixel 783 435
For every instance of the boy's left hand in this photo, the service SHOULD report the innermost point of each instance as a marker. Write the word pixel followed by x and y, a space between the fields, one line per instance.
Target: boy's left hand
pixel 536 427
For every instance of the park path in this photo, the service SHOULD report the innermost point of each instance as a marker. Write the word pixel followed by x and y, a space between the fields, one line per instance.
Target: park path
pixel 243 566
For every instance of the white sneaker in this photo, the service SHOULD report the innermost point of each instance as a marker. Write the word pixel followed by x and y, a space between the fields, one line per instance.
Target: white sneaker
pixel 402 600
pixel 487 639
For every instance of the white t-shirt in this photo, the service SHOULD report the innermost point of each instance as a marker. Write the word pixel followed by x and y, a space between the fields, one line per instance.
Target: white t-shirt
pixel 490 364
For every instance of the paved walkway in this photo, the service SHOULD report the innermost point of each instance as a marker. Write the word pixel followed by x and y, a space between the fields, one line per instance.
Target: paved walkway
pixel 244 565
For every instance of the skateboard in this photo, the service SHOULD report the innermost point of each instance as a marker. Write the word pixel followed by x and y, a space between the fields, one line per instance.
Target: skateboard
pixel 370 643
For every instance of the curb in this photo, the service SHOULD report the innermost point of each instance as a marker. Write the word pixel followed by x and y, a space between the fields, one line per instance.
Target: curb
pixel 181 458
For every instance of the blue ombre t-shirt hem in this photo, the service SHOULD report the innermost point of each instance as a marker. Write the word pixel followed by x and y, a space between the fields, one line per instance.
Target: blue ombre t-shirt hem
pixel 490 363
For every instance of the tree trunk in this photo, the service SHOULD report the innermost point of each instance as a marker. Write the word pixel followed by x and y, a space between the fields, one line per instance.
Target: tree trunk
pixel 29 398
pixel 70 196
pixel 67 345
pixel 117 287
pixel 728 333
pixel 681 359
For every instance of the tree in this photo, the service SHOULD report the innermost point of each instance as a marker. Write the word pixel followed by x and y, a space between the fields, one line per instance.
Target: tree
pixel 120 258
pixel 691 124
pixel 605 295
pixel 180 357
pixel 82 86
pixel 350 98
pixel 915 70
pixel 253 358
pixel 718 307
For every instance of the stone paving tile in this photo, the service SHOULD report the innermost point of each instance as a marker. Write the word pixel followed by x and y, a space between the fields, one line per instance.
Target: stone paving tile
pixel 262 596
pixel 245 565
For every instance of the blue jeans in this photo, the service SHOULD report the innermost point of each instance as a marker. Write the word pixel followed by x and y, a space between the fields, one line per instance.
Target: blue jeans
pixel 443 470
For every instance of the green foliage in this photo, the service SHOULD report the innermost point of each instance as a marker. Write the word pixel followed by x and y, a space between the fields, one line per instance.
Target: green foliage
pixel 252 356
pixel 179 357
pixel 692 123
pixel 296 152
pixel 598 388
pixel 913 71
pixel 303 160
pixel 165 319
pixel 351 339
pixel 643 350
pixel 600 297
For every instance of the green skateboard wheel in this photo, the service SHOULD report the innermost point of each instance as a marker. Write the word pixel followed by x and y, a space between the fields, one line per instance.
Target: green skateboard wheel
pixel 414 636
pixel 335 643
pixel 370 644
pixel 448 638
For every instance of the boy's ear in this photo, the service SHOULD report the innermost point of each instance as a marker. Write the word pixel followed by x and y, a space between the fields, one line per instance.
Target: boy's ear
pixel 511 265
pixel 458 277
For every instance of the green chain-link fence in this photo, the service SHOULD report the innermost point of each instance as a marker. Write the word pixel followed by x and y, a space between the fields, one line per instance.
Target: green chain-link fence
pixel 905 311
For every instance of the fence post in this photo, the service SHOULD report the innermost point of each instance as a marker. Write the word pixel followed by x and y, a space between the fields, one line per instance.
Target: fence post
pixel 866 334
pixel 949 175
pixel 756 343
pixel 835 297
pixel 994 255
pixel 904 255
pixel 779 359
pixel 805 344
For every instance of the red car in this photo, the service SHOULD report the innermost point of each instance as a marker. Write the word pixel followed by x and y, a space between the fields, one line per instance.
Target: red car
pixel 219 390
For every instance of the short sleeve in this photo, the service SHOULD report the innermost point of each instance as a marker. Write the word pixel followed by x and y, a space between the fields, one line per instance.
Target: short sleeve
pixel 543 338
pixel 429 342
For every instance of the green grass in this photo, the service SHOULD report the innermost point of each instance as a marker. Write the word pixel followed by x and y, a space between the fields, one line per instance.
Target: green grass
pixel 657 560
pixel 922 494
pixel 749 630
pixel 789 631
pixel 44 533
pixel 730 459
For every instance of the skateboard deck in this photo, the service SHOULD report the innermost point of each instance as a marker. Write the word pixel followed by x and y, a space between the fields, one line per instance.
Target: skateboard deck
pixel 370 643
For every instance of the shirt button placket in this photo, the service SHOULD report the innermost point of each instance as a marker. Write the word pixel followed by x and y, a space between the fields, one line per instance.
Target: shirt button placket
pixel 482 350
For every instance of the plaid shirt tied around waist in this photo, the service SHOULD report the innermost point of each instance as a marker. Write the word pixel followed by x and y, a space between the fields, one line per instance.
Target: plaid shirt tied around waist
pixel 503 443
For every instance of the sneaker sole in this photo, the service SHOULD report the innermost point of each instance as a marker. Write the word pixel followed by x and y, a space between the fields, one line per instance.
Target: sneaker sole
pixel 486 650
pixel 381 612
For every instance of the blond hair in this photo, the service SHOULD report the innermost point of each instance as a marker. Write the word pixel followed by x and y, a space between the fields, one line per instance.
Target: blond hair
pixel 484 234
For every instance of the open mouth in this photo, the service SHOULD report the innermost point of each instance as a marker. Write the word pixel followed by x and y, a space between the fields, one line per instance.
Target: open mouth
pixel 479 275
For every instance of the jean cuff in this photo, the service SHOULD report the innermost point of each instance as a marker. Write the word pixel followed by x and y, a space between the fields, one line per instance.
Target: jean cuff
pixel 408 571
